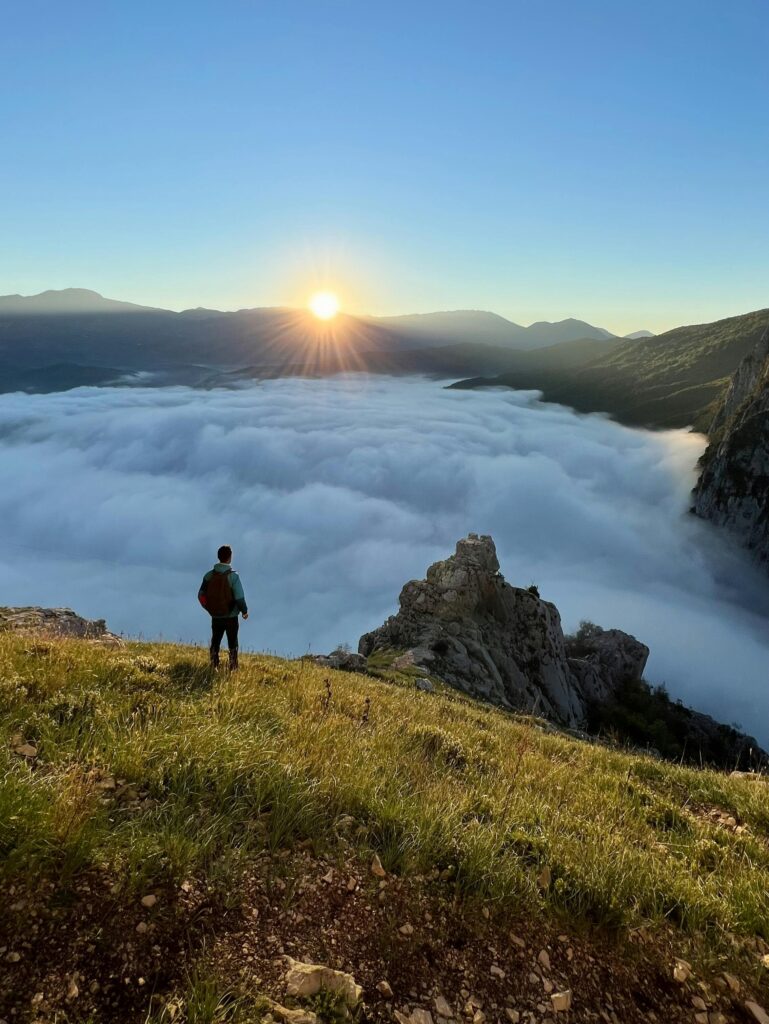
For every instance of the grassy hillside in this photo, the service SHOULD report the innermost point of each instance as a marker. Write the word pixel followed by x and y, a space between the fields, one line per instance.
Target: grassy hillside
pixel 673 380
pixel 166 834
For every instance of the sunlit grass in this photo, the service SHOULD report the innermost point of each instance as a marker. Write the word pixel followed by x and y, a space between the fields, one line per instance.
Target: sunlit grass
pixel 152 770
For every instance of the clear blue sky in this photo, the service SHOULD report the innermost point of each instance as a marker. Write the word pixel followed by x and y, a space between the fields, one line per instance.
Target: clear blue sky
pixel 604 159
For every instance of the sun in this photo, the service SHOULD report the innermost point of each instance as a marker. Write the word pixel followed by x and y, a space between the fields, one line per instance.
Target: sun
pixel 324 305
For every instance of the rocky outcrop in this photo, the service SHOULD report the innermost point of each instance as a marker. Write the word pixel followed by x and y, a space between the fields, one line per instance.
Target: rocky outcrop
pixel 733 489
pixel 60 622
pixel 504 644
pixel 601 659
pixel 466 626
pixel 342 659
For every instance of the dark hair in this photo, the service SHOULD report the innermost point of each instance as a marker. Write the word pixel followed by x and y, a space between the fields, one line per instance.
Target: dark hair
pixel 224 554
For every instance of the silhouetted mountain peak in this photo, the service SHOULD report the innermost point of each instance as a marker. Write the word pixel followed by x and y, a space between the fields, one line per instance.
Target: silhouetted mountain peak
pixel 453 316
pixel 571 324
pixel 65 300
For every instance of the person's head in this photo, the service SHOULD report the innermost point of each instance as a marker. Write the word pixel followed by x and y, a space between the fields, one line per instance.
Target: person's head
pixel 224 554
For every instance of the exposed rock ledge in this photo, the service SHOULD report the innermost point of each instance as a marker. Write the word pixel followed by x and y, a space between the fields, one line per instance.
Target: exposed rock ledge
pixel 733 490
pixel 465 625
pixel 504 644
pixel 56 622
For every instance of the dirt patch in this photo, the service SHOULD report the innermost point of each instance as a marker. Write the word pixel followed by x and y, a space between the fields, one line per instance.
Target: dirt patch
pixel 67 954
pixel 408 933
pixel 719 817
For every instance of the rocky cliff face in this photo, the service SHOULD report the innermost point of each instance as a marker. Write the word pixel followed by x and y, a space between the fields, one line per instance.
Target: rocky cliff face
pixel 733 490
pixel 59 622
pixel 465 625
pixel 504 644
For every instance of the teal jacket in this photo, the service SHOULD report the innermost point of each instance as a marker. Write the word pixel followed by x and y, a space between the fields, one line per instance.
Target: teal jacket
pixel 239 598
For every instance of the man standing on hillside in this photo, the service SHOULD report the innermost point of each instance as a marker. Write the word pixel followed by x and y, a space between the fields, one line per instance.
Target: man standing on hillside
pixel 221 594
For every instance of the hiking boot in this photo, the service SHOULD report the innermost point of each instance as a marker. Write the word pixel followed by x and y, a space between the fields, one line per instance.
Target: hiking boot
pixel 214 659
pixel 234 660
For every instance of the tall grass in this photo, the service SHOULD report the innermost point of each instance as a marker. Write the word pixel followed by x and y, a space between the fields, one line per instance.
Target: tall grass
pixel 152 769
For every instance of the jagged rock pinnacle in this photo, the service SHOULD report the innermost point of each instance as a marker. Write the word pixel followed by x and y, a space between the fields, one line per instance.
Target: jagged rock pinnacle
pixel 501 643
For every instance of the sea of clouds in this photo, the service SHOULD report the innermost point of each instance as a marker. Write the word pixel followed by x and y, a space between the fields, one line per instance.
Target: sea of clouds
pixel 335 492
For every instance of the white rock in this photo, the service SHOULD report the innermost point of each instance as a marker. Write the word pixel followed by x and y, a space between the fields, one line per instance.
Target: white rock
pixel 442 1007
pixel 759 1013
pixel 376 867
pixel 305 980
pixel 561 1000
pixel 293 1016
pixel 420 1016
pixel 682 971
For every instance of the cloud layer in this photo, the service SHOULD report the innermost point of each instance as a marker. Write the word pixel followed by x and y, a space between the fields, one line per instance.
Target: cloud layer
pixel 335 492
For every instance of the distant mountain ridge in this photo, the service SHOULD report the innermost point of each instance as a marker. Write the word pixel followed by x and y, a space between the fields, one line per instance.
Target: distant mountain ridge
pixel 59 339
pixel 479 326
pixel 68 301
pixel 675 379
pixel 442 327
pixel 458 325
pixel 543 333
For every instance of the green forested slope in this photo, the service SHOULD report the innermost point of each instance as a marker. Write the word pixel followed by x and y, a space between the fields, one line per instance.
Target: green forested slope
pixel 673 380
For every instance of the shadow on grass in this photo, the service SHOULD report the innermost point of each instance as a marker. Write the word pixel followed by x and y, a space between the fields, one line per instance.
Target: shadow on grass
pixel 191 676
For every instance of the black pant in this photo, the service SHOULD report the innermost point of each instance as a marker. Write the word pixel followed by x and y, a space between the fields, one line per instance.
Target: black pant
pixel 219 627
